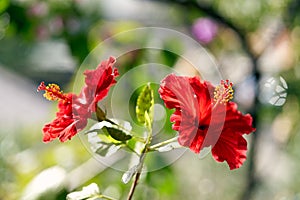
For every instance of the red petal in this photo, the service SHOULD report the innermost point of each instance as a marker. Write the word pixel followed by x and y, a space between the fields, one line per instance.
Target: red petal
pixel 204 92
pixel 93 76
pixel 192 102
pixel 231 147
pixel 197 143
pixel 178 93
pixel 70 118
pixel 99 81
pixel 236 121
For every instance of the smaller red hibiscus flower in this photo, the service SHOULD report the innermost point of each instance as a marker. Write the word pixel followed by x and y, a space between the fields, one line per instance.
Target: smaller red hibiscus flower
pixel 74 110
pixel 204 117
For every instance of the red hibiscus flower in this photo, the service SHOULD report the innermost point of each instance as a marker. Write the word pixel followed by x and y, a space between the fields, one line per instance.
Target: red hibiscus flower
pixel 204 117
pixel 74 110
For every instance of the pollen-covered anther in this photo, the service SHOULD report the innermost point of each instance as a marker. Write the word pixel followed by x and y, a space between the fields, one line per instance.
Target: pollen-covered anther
pixel 224 92
pixel 52 91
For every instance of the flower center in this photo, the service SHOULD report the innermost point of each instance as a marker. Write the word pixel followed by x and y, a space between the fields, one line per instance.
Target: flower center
pixel 52 92
pixel 202 127
pixel 223 93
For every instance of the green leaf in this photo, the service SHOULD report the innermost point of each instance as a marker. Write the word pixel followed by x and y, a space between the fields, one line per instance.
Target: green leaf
pixel 144 106
pixel 127 176
pixel 106 149
pixel 118 134
pixel 107 138
pixel 119 131
pixel 86 192
pixel 101 145
pixel 148 121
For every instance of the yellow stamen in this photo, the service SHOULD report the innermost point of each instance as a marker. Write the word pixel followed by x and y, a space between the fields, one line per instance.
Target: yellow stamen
pixel 224 92
pixel 52 91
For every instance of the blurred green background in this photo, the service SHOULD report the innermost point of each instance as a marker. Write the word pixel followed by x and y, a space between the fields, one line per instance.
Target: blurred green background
pixel 255 44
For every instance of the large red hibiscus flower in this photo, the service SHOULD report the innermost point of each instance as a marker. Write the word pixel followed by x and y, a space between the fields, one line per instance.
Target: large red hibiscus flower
pixel 74 110
pixel 204 117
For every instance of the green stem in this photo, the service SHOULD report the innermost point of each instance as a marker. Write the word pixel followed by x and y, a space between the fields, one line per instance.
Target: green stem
pixel 137 177
pixel 131 149
pixel 140 139
pixel 155 146
pixel 141 163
